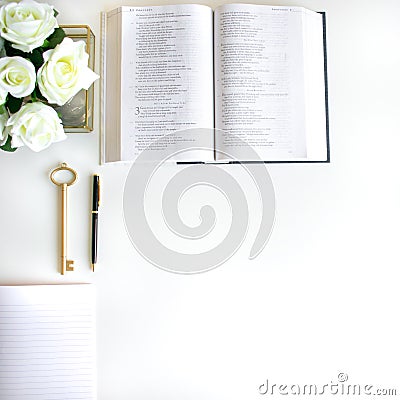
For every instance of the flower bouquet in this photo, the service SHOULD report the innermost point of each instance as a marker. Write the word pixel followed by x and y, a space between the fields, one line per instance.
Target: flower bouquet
pixel 39 67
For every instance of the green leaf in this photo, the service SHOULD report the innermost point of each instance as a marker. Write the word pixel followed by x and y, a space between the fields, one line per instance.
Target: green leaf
pixel 37 93
pixel 7 146
pixel 56 37
pixel 36 57
pixel 55 13
pixel 13 104
pixel 33 96
pixel 11 52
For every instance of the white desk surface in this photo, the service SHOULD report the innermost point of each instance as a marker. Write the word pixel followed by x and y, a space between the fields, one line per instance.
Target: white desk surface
pixel 321 299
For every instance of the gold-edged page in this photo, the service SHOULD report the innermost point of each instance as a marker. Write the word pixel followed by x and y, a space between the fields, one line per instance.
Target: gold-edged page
pixel 111 86
pixel 167 81
pixel 259 82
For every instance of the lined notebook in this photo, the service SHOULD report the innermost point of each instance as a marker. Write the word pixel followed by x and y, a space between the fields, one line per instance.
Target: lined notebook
pixel 47 342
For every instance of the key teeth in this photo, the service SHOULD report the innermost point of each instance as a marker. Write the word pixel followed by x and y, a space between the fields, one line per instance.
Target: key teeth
pixel 69 265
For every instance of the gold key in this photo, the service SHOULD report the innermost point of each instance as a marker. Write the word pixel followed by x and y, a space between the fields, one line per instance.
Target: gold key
pixel 66 265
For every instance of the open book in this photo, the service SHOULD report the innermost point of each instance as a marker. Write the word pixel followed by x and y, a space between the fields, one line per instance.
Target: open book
pixel 47 342
pixel 253 74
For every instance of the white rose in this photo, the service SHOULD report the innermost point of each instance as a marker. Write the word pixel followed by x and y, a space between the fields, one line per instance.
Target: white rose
pixel 3 120
pixel 65 72
pixel 27 24
pixel 3 95
pixel 17 77
pixel 35 125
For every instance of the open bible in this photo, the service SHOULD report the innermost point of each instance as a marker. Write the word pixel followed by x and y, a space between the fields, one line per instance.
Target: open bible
pixel 252 74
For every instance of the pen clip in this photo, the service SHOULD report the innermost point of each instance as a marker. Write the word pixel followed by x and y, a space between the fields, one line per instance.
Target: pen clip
pixel 98 192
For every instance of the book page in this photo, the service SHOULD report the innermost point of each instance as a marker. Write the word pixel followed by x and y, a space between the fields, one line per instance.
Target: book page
pixel 47 342
pixel 259 70
pixel 167 78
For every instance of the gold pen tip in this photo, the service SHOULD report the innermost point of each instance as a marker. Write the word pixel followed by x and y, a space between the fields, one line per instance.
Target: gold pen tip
pixel 93 266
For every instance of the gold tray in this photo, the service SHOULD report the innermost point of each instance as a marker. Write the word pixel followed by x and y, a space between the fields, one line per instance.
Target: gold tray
pixel 77 114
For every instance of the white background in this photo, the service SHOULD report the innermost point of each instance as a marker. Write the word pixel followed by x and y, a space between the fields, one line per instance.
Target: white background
pixel 321 299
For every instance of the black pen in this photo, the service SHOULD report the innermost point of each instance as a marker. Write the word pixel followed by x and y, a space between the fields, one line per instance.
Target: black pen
pixel 95 217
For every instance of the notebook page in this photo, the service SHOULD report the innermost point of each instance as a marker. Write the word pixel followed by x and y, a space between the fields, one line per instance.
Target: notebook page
pixel 47 342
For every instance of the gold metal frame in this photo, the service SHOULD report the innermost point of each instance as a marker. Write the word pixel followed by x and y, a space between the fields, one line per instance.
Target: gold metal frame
pixel 83 32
